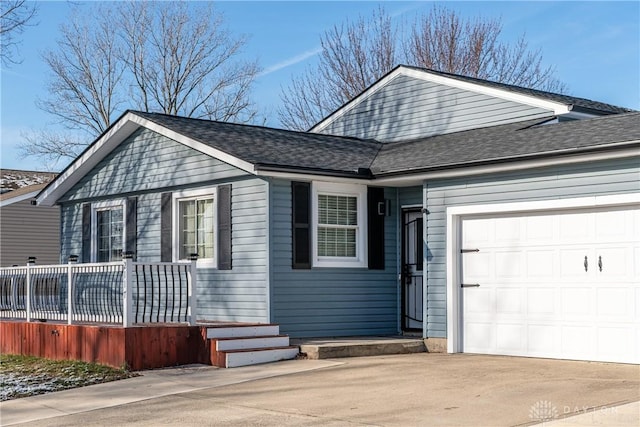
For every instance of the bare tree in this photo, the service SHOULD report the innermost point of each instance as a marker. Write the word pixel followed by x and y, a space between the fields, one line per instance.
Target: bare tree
pixel 442 40
pixel 356 54
pixel 184 63
pixel 168 57
pixel 15 15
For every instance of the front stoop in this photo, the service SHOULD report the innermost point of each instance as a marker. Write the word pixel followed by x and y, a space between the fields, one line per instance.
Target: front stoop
pixel 357 347
pixel 242 345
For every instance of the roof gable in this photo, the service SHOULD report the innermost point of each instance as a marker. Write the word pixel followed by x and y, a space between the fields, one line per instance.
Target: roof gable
pixel 248 148
pixel 430 103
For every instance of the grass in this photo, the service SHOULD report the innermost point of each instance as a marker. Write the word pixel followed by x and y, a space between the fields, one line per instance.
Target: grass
pixel 23 376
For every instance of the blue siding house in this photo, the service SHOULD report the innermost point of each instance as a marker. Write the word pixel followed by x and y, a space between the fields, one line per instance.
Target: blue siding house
pixel 488 218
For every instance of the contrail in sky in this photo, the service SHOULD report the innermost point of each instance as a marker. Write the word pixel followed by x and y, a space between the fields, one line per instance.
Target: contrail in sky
pixel 290 61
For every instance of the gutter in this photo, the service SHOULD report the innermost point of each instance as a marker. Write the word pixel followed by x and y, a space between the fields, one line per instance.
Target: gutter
pixel 361 173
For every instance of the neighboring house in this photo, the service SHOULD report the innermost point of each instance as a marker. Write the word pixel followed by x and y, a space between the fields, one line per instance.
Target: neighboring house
pixel 27 230
pixel 502 219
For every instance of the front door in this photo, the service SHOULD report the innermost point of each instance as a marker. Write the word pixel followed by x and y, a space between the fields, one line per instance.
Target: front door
pixel 412 252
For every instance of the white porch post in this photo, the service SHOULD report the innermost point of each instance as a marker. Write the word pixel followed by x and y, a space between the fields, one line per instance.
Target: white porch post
pixel 193 286
pixel 30 262
pixel 70 307
pixel 127 291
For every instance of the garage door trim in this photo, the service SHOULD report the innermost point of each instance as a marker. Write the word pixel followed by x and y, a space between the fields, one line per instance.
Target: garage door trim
pixel 455 214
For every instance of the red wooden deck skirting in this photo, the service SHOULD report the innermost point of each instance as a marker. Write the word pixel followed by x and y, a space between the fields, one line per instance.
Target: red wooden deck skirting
pixel 138 347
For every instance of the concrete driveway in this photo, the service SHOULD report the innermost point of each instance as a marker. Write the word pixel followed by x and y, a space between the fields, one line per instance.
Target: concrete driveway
pixel 403 390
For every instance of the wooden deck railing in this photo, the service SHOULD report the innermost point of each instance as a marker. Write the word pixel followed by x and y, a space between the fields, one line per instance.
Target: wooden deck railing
pixel 123 292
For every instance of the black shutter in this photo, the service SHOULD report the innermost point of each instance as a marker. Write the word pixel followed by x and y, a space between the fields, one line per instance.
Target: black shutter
pixel 224 227
pixel 131 242
pixel 375 219
pixel 86 232
pixel 300 224
pixel 166 226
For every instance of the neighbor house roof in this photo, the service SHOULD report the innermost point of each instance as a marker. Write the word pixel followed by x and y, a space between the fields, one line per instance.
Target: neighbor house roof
pixel 511 142
pixel 20 194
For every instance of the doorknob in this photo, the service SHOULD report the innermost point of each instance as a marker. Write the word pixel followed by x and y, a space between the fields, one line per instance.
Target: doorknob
pixel 586 264
pixel 600 262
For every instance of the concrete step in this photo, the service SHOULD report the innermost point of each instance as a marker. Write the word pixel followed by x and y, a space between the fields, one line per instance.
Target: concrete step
pixel 358 346
pixel 242 330
pixel 243 343
pixel 236 358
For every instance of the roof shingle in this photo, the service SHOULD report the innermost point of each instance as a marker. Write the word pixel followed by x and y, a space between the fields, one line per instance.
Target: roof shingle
pixel 506 142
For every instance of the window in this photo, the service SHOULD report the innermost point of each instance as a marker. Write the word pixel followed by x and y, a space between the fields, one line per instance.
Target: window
pixel 108 231
pixel 339 225
pixel 195 226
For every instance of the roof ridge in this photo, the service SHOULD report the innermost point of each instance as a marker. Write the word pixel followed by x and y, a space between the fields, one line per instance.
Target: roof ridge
pixel 260 127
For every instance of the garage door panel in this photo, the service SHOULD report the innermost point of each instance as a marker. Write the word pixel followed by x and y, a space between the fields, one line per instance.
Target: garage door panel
pixel 507 230
pixel 509 301
pixel 615 261
pixel 477 267
pixel 613 303
pixel 577 341
pixel 577 303
pixel 541 263
pixel 612 226
pixel 541 301
pixel 575 228
pixel 537 299
pixel 510 338
pixel 572 263
pixel 542 339
pixel 614 344
pixel 479 337
pixel 477 232
pixel 481 303
pixel 540 229
pixel 508 264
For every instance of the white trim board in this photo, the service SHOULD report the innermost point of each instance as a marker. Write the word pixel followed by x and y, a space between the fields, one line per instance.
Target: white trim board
pixel 454 216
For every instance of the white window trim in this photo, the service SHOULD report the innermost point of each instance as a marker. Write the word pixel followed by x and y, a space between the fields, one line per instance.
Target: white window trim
pixel 332 188
pixel 175 237
pixel 102 206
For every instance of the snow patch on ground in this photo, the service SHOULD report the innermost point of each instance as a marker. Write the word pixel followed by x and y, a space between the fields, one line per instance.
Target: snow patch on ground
pixel 16 385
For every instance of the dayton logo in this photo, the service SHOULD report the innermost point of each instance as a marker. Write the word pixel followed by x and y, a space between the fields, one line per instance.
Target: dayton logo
pixel 543 410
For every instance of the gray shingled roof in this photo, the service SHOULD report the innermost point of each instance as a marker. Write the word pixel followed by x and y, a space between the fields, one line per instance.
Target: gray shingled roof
pixel 276 149
pixel 580 103
pixel 269 148
pixel 509 142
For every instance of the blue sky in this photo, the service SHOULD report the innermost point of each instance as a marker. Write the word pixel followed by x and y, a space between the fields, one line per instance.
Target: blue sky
pixel 595 47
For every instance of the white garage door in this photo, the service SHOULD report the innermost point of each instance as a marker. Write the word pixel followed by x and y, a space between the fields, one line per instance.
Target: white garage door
pixel 561 285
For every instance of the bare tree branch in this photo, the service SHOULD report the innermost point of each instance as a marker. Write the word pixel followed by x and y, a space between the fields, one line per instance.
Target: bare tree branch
pixel 169 57
pixel 356 54
pixel 15 15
